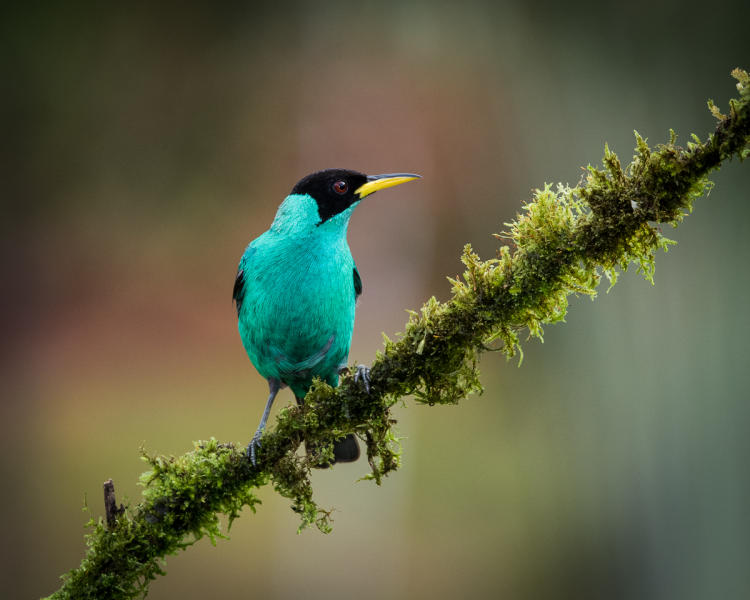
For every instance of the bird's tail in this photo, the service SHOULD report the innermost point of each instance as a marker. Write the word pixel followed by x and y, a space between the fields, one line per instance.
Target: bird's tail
pixel 344 450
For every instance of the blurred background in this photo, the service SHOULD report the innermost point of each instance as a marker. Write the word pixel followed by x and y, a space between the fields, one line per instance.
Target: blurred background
pixel 144 148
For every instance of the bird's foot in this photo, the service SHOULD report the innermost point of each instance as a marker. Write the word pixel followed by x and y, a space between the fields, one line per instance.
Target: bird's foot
pixel 363 374
pixel 254 443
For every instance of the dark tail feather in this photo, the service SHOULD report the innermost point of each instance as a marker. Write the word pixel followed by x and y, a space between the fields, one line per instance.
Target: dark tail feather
pixel 345 450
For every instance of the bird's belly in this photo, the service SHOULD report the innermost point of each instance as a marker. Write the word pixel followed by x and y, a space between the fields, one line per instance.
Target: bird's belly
pixel 297 328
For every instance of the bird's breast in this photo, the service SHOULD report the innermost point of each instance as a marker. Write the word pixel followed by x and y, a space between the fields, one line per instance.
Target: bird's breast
pixel 298 308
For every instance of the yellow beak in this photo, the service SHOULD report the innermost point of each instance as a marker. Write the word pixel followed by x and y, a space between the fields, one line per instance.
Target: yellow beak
pixel 380 182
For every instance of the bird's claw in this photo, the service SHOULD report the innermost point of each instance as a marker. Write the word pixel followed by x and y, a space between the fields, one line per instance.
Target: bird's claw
pixel 362 374
pixel 254 443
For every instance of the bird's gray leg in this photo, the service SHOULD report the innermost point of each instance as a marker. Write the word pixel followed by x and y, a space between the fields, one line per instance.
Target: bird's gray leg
pixel 274 385
pixel 363 374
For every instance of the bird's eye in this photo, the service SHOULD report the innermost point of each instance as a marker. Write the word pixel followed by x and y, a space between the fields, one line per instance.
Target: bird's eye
pixel 340 187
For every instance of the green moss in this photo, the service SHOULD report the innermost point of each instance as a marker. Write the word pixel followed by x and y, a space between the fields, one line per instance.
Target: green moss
pixel 182 501
pixel 560 244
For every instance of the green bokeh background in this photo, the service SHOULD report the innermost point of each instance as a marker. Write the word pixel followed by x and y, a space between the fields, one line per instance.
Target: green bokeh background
pixel 145 148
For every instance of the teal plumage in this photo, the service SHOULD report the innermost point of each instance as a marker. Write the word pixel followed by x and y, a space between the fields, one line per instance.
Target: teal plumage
pixel 297 286
pixel 297 315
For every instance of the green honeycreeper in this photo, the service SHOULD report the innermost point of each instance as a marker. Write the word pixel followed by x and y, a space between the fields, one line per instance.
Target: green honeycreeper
pixel 297 286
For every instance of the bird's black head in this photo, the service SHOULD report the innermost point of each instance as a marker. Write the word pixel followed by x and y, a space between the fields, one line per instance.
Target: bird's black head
pixel 333 189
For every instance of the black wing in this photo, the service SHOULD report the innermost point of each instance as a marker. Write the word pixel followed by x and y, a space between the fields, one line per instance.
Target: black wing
pixel 357 283
pixel 238 293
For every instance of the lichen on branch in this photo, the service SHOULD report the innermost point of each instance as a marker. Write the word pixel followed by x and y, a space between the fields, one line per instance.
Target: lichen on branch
pixel 562 243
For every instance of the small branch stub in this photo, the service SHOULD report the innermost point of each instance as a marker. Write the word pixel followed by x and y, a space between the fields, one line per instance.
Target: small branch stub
pixel 110 504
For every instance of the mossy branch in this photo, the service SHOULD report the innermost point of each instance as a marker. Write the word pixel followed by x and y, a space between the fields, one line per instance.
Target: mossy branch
pixel 561 243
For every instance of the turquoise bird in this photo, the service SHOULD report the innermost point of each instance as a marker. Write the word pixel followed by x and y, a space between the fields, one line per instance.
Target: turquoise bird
pixel 297 287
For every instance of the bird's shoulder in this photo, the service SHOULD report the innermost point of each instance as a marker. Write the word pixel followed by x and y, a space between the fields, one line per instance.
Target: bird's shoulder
pixel 238 292
pixel 357 282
